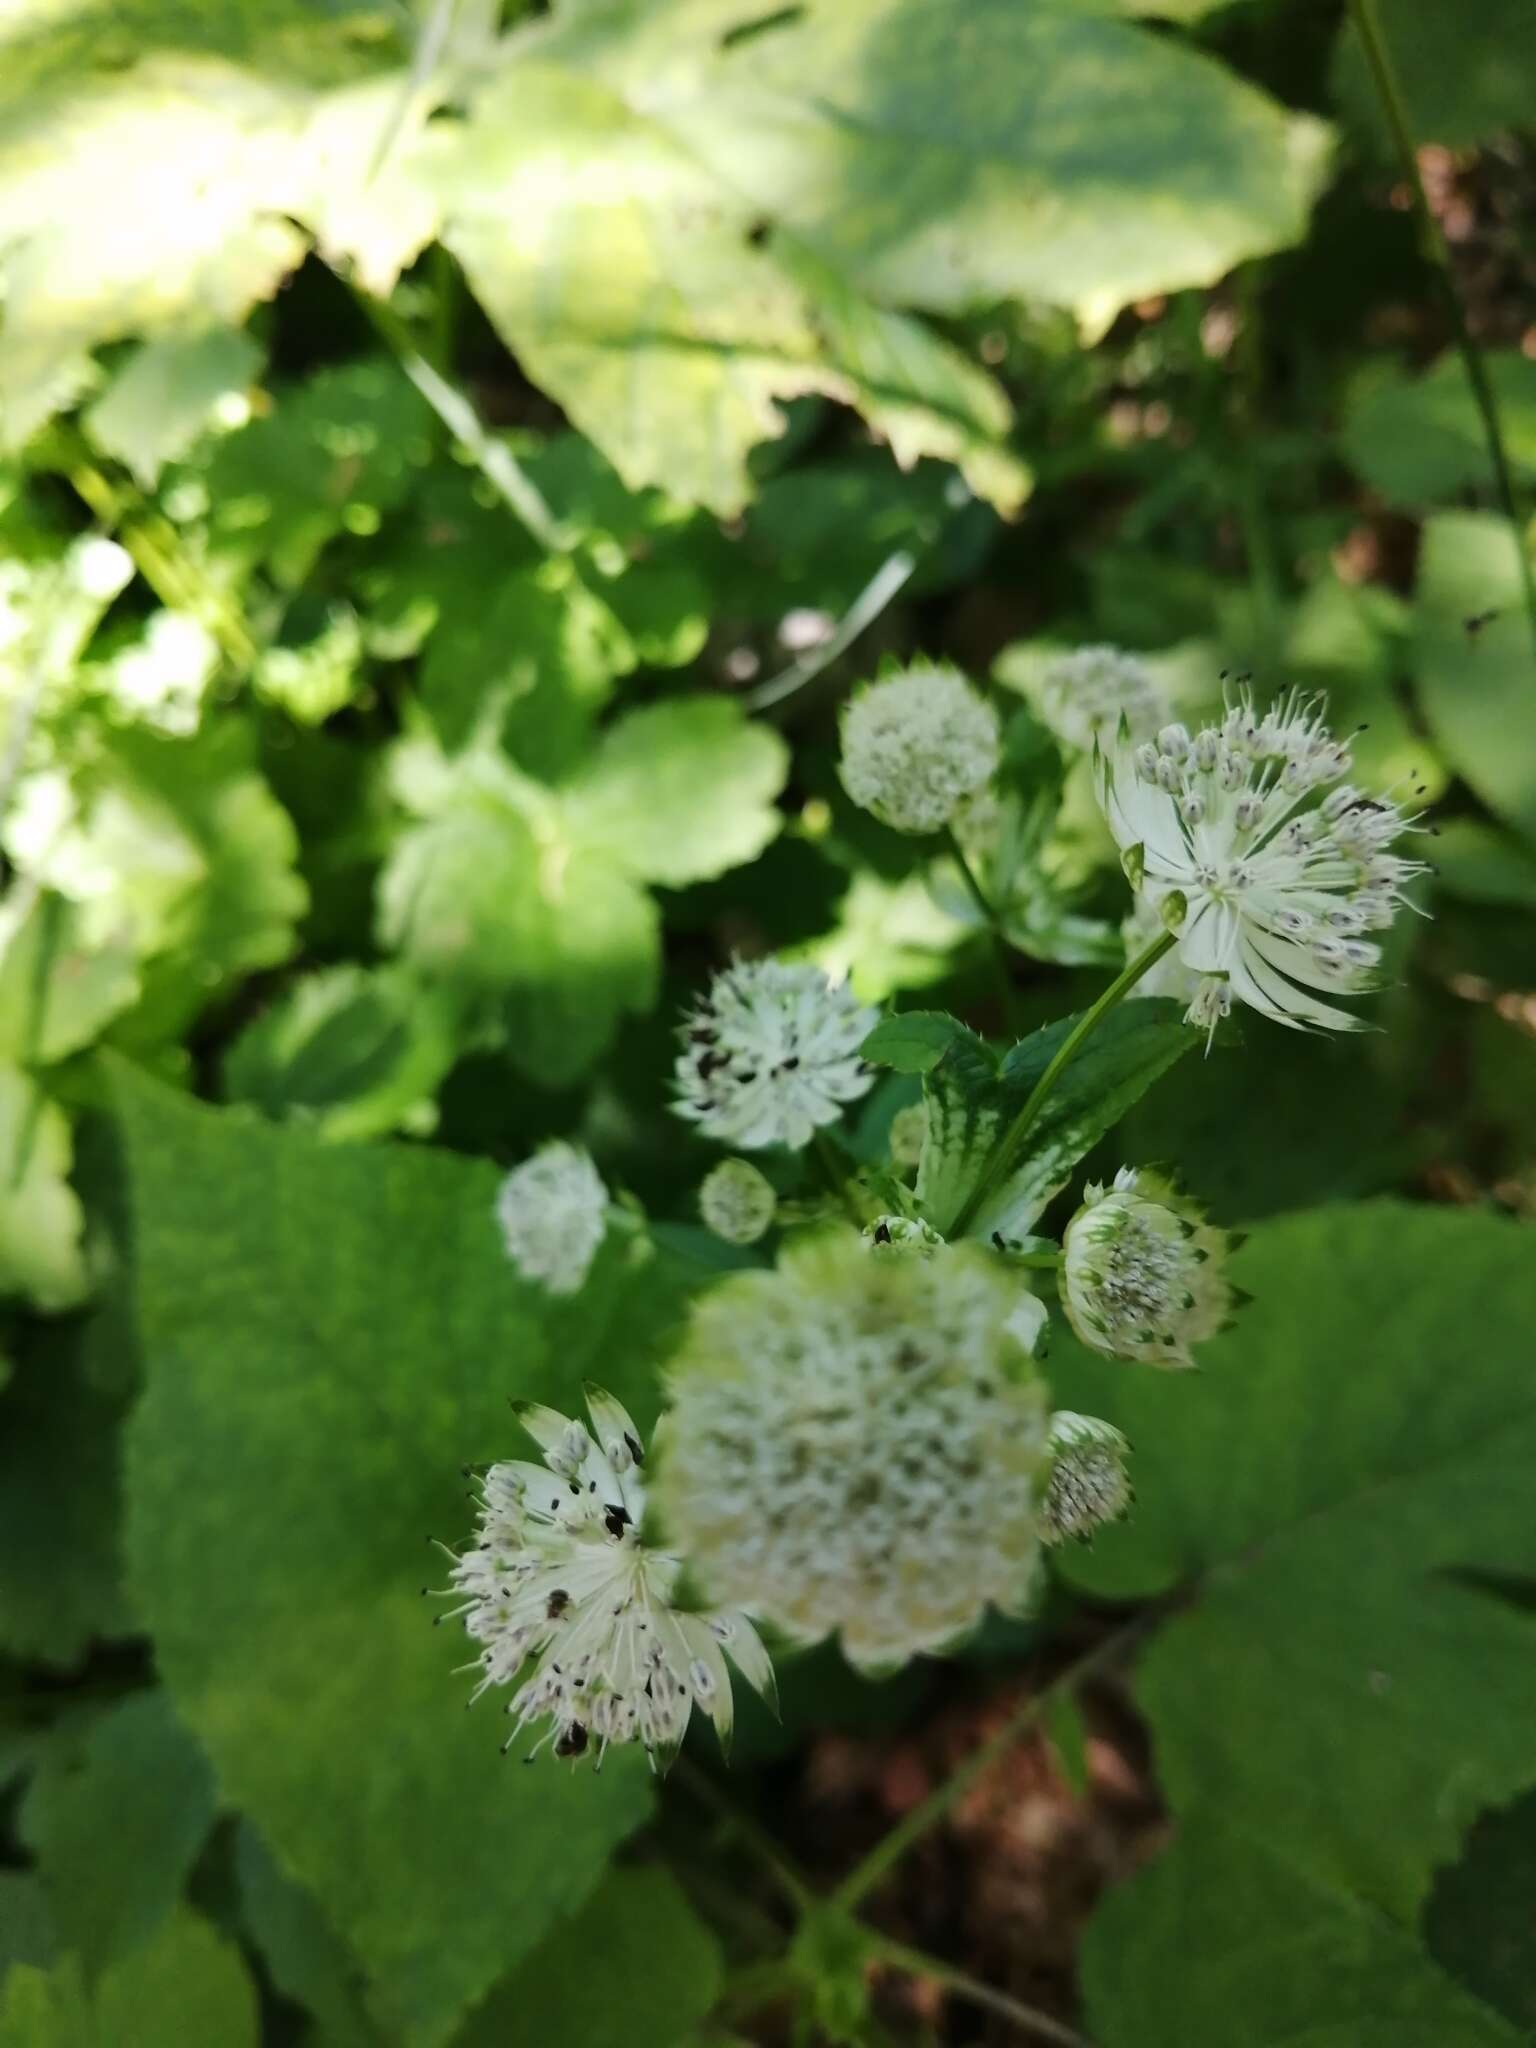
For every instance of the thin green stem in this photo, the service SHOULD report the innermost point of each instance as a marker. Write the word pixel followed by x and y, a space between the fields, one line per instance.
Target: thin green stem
pixel 893 573
pixel 1366 16
pixel 1258 535
pixel 834 1174
pixel 747 1831
pixel 1036 1262
pixel 927 1814
pixel 996 936
pixel 1027 2018
pixel 1003 1158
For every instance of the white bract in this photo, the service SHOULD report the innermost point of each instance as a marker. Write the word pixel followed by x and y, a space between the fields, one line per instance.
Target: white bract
pixel 553 1210
pixel 737 1202
pixel 1270 884
pixel 902 1237
pixel 915 745
pixel 1088 1484
pixel 909 1133
pixel 1088 692
pixel 855 1446
pixel 772 1053
pixel 1143 1275
pixel 560 1572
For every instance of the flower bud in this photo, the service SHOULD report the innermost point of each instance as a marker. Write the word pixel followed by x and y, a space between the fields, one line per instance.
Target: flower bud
pixel 553 1211
pixel 737 1202
pixel 1088 1485
pixel 1143 1276
pixel 915 745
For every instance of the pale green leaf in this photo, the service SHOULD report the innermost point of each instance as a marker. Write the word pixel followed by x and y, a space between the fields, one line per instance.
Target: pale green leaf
pixel 333 1331
pixel 40 1215
pixel 355 1051
pixel 169 392
pixel 1477 687
pixel 650 298
pixel 115 1814
pixel 681 791
pixel 186 1985
pixel 911 1042
pixel 58 984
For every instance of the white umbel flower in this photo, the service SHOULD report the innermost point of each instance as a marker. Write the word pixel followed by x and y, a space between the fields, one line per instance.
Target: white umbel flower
pixel 915 745
pixel 1271 885
pixel 1143 1275
pixel 772 1053
pixel 855 1447
pixel 737 1202
pixel 560 1572
pixel 1088 1484
pixel 1086 693
pixel 553 1210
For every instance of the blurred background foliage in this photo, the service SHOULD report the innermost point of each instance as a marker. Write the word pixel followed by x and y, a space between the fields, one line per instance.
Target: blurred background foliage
pixel 453 460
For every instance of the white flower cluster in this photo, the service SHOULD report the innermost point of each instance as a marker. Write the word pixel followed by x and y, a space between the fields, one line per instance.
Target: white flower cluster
pixel 1088 1485
pixel 771 1054
pixel 915 745
pixel 855 1445
pixel 1143 1275
pixel 1270 884
pixel 1086 693
pixel 737 1202
pixel 553 1211
pixel 560 1573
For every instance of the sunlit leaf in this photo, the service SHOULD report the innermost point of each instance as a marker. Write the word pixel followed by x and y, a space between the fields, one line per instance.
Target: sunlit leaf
pixel 168 392
pixel 40 1215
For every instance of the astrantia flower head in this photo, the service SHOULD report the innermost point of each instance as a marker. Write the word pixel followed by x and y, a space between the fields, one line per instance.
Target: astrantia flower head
pixel 553 1210
pixel 771 1053
pixel 1143 1275
pixel 560 1572
pixel 1088 692
pixel 915 744
pixel 1270 883
pixel 1088 1485
pixel 855 1446
pixel 737 1202
pixel 902 1237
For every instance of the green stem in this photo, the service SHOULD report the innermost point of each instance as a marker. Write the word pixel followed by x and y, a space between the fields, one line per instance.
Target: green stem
pixel 1367 20
pixel 893 573
pixel 1003 1158
pixel 1027 2018
pixel 927 1814
pixel 995 934
pixel 748 1833
pixel 1258 536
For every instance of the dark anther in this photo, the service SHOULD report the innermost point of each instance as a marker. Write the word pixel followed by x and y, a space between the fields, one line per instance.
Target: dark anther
pixel 634 1449
pixel 882 1233
pixel 572 1741
pixel 997 1242
pixel 616 1520
pixel 559 1600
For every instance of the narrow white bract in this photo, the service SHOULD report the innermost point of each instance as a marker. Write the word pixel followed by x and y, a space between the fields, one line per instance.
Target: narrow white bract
pixel 553 1210
pixel 737 1202
pixel 855 1447
pixel 1143 1275
pixel 770 1054
pixel 1271 884
pixel 560 1573
pixel 1088 1484
pixel 1086 693
pixel 915 745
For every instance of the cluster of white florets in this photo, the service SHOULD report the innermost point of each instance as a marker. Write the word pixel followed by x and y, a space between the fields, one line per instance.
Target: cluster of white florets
pixel 560 1573
pixel 1247 841
pixel 737 1202
pixel 771 1054
pixel 1089 691
pixel 1088 1483
pixel 553 1211
pixel 854 1446
pixel 915 745
pixel 1143 1275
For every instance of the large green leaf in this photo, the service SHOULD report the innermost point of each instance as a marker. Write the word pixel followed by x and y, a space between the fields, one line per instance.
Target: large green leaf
pixel 115 1814
pixel 328 1334
pixel 1028 149
pixel 1463 72
pixel 1477 683
pixel 1342 1491
pixel 187 1985
pixel 1420 440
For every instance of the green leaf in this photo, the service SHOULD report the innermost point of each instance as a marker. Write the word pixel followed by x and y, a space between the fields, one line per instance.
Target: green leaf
pixel 168 393
pixel 333 1331
pixel 972 1101
pixel 681 791
pixel 1476 863
pixel 27 1933
pixel 1048 153
pixel 1340 1489
pixel 1225 1941
pixel 1463 75
pixel 115 1815
pixel 1420 440
pixel 1476 686
pixel 59 983
pixel 356 1051
pixel 308 1962
pixel 650 297
pixel 40 1216
pixel 660 1974
pixel 911 1042
pixel 188 1984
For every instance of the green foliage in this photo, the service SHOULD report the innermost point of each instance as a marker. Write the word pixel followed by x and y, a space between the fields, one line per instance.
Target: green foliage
pixel 188 1983
pixel 336 1412
pixel 1419 440
pixel 1350 1538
